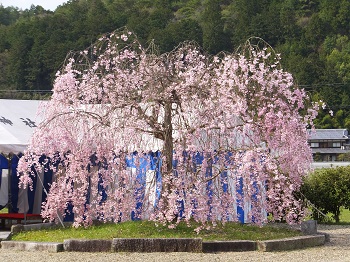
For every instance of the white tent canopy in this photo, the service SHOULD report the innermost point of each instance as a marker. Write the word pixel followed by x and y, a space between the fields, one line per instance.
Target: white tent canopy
pixel 18 119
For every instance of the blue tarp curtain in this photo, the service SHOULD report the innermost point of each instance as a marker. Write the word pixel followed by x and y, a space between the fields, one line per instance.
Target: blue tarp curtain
pixel 22 200
pixel 152 162
pixel 3 181
pixel 28 201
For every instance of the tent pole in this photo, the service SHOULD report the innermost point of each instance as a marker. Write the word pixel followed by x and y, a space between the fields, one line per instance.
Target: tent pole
pixel 42 183
pixel 9 177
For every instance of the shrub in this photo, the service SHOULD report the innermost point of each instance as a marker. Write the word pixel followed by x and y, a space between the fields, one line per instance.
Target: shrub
pixel 328 189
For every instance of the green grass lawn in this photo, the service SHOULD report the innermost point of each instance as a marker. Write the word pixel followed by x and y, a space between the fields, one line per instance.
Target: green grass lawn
pixel 147 229
pixel 345 216
pixel 4 210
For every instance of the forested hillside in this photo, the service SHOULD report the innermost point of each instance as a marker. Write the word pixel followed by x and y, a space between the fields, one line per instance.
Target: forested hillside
pixel 311 35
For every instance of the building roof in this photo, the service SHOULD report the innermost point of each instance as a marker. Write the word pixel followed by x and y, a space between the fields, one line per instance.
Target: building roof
pixel 329 134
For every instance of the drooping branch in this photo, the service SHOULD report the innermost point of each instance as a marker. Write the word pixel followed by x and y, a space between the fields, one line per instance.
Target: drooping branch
pixel 228 121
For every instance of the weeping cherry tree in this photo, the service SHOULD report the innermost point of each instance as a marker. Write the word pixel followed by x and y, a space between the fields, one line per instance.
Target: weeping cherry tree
pixel 240 113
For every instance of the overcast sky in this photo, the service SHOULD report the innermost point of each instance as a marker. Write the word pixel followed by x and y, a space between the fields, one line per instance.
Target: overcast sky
pixel 25 4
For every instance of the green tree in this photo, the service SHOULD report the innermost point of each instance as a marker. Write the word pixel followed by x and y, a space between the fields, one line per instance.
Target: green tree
pixel 97 19
pixel 21 44
pixel 8 15
pixel 4 60
pixel 288 20
pixel 138 22
pixel 214 38
pixel 187 9
pixel 336 14
pixel 328 189
pixel 4 40
pixel 316 31
pixel 176 32
pixel 238 16
pixel 338 58
pixel 307 7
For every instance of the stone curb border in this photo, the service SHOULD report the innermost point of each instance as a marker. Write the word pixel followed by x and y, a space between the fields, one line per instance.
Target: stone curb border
pixel 291 243
pixel 157 245
pixel 32 246
pixel 167 245
pixel 310 239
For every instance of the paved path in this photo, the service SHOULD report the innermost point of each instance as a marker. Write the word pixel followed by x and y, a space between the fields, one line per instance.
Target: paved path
pixel 338 249
pixel 4 234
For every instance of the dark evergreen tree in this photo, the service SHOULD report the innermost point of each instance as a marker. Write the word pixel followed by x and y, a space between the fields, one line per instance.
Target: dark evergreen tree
pixel 214 37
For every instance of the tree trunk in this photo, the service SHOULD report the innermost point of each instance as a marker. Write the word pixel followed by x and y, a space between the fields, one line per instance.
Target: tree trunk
pixel 336 215
pixel 168 153
pixel 168 143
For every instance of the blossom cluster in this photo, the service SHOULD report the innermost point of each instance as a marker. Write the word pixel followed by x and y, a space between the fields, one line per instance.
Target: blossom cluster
pixel 242 114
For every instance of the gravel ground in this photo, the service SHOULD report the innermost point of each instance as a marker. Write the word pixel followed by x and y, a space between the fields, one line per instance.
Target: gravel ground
pixel 338 249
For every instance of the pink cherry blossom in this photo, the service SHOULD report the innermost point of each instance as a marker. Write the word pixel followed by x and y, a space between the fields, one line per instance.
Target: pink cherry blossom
pixel 240 114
